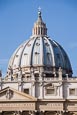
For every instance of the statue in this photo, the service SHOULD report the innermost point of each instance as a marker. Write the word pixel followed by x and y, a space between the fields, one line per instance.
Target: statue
pixel 0 73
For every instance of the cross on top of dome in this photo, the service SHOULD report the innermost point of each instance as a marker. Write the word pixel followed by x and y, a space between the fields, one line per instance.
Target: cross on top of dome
pixel 39 12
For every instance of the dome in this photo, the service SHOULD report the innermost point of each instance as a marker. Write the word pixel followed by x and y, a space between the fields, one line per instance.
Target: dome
pixel 40 54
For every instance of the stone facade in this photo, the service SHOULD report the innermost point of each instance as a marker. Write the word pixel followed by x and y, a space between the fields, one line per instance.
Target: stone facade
pixel 62 101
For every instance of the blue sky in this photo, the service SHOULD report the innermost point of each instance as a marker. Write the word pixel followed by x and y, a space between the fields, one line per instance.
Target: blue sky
pixel 18 16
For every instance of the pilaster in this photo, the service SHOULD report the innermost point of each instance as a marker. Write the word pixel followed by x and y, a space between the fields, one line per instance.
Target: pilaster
pixel 41 85
pixel 32 84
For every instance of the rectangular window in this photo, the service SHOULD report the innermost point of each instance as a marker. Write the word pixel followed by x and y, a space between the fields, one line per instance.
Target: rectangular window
pixel 72 91
pixel 50 91
pixel 26 91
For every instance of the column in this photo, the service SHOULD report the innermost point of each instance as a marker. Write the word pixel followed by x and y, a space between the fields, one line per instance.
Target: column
pixel 33 84
pixel 60 73
pixel 20 80
pixel 10 74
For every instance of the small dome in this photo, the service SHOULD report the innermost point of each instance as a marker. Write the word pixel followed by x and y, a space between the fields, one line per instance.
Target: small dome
pixel 40 53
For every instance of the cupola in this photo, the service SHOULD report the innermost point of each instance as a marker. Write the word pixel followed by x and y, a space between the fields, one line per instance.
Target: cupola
pixel 39 28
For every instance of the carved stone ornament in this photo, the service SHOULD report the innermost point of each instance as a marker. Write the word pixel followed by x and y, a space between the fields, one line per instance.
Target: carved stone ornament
pixel 31 112
pixel 41 83
pixel 9 94
pixel 10 71
pixel 19 83
pixel 48 85
pixel 33 83
pixel 58 84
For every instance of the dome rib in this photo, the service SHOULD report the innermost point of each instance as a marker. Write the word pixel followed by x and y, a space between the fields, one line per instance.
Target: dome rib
pixel 32 51
pixel 52 52
pixel 67 59
pixel 61 54
pixel 41 51
pixel 11 61
pixel 41 46
pixel 23 51
pixel 32 62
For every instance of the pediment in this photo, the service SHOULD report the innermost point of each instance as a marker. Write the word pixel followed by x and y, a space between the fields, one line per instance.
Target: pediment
pixel 10 94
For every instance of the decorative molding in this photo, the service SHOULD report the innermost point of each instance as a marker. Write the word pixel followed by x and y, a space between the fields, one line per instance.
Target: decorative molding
pixel 33 83
pixel 40 83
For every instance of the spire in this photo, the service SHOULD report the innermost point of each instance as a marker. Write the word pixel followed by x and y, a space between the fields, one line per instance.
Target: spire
pixel 39 28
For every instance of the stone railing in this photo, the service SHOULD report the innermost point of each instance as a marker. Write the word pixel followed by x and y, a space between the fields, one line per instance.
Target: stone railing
pixel 58 79
pixel 26 79
pixel 51 79
pixel 72 78
pixel 44 79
